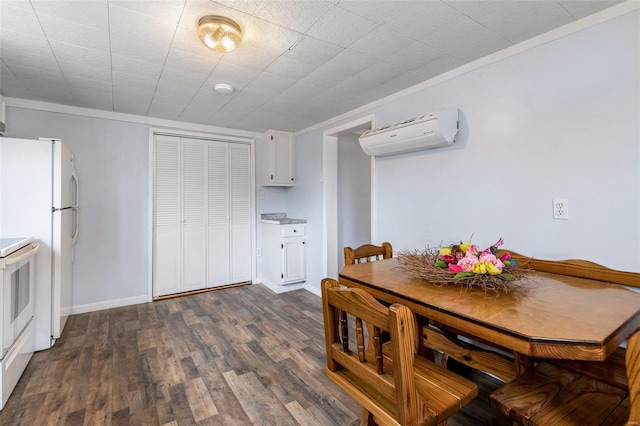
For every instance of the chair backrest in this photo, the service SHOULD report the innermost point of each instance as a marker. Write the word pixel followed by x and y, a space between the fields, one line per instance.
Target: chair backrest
pixel 632 361
pixel 376 384
pixel 366 253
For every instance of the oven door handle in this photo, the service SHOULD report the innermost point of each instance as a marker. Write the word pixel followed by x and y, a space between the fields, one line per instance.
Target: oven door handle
pixel 21 254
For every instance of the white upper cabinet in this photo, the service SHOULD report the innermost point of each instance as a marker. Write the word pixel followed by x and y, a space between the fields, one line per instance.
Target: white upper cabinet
pixel 278 158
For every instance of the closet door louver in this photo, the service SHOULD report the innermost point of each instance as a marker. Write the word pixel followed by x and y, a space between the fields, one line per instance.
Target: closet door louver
pixel 167 227
pixel 193 215
pixel 240 187
pixel 219 213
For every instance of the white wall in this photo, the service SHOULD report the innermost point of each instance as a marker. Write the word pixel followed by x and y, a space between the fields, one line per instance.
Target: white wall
pixel 560 120
pixel 112 160
pixel 354 195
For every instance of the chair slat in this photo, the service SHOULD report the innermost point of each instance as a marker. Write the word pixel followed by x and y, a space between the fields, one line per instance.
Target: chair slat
pixel 360 339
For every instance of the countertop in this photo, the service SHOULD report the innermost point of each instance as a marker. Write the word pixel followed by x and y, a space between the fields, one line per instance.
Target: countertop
pixel 279 219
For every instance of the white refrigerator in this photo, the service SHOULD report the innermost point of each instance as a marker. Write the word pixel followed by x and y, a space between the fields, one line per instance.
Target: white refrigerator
pixel 39 197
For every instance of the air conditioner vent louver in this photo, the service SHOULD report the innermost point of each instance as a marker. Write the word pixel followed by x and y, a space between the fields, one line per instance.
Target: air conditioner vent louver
pixel 427 131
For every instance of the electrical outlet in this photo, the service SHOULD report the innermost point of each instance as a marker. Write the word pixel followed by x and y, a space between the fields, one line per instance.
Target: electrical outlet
pixel 258 252
pixel 560 208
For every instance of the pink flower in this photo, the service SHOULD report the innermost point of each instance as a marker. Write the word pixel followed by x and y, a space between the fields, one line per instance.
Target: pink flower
pixel 467 262
pixel 484 257
pixel 449 258
pixel 505 256
pixel 454 268
pixel 473 249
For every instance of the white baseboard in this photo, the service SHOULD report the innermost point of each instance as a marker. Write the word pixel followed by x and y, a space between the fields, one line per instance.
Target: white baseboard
pixel 115 303
pixel 313 289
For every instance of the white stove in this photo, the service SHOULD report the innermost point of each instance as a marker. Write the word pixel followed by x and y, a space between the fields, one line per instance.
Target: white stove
pixel 16 310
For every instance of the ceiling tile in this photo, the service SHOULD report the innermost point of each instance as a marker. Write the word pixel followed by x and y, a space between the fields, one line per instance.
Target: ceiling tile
pixel 466 39
pixel 247 6
pixel 126 64
pixel 261 34
pixel 421 18
pixel 169 10
pixel 438 66
pixel 26 59
pixel 19 19
pixel 272 81
pixel 260 93
pixel 15 43
pixel 14 90
pixel 402 82
pixel 379 11
pixel 97 99
pixel 76 83
pixel 37 74
pixel 313 51
pixel 413 56
pixel 234 75
pixel 168 111
pixel 302 91
pixel 45 91
pixel 89 13
pixel 250 57
pixel 325 76
pixel 349 62
pixel 244 101
pixel 227 116
pixel 71 53
pixel 295 14
pixel 76 34
pixel 341 27
pixel 121 79
pixel 181 59
pixel 515 21
pixel 581 8
pixel 182 77
pixel 289 67
pixel 380 43
pixel 74 69
pixel 176 95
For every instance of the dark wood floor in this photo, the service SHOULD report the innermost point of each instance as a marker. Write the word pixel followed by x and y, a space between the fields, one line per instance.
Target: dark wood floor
pixel 239 356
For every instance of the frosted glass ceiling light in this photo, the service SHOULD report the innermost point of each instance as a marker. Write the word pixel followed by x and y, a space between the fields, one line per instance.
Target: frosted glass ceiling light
pixel 219 33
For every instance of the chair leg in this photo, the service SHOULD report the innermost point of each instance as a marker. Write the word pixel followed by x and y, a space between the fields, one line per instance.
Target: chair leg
pixel 367 418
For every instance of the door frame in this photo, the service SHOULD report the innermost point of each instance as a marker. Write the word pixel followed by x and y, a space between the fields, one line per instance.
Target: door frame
pixel 330 192
pixel 252 195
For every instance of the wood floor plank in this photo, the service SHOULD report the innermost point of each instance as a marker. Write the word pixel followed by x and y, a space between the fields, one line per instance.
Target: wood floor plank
pixel 239 356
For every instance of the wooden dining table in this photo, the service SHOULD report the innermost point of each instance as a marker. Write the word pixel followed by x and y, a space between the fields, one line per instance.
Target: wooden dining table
pixel 545 315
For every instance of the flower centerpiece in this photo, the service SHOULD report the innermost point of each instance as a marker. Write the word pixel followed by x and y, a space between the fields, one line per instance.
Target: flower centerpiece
pixel 466 264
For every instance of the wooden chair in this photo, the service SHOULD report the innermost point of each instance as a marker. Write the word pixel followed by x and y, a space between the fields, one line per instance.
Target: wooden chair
pixel 366 253
pixel 552 395
pixel 398 389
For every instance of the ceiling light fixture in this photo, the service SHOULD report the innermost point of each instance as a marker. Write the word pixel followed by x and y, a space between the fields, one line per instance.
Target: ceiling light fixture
pixel 222 88
pixel 219 34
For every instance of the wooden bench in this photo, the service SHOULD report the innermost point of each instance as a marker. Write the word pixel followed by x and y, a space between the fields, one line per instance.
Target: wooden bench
pixel 394 386
pixel 568 392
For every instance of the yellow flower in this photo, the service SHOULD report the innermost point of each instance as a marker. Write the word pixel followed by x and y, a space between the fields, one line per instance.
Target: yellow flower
pixel 465 246
pixel 444 251
pixel 480 268
pixel 492 269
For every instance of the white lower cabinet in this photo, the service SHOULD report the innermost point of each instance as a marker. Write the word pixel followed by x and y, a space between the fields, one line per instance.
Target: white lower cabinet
pixel 284 257
pixel 201 213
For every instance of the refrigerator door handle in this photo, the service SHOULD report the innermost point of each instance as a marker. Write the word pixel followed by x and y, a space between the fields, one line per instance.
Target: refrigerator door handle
pixel 75 201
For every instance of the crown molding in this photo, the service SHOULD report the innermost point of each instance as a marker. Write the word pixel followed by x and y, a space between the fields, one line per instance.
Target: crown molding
pixel 128 118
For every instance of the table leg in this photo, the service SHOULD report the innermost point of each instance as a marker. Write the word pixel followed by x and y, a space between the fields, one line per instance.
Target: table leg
pixel 423 350
pixel 523 363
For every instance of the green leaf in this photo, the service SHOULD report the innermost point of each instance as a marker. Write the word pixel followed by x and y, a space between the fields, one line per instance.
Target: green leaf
pixel 507 263
pixel 507 276
pixel 463 274
pixel 441 263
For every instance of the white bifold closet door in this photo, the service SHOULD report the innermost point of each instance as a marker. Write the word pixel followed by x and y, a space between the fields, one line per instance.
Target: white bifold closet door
pixel 202 214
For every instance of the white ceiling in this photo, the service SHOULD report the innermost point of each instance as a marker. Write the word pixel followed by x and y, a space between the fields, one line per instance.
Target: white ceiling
pixel 300 62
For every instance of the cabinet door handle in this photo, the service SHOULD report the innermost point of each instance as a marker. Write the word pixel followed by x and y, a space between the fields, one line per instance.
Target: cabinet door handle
pixel 291 178
pixel 271 177
pixel 295 230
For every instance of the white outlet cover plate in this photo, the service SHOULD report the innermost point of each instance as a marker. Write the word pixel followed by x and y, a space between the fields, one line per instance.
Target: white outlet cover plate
pixel 560 208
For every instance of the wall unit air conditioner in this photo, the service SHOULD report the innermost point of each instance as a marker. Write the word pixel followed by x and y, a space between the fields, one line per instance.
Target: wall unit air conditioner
pixel 424 132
